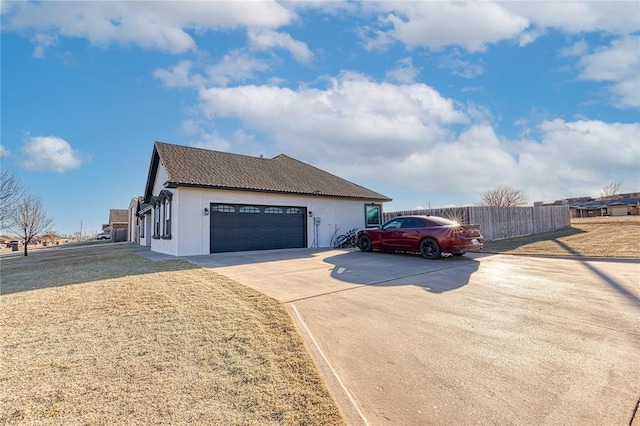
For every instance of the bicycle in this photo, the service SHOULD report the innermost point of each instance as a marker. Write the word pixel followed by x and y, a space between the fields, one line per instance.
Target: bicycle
pixel 346 240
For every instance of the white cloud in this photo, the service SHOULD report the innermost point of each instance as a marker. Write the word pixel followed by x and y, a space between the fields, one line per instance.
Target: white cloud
pixel 356 128
pixel 575 17
pixel 579 48
pixel 7 6
pixel 235 66
pixel 474 161
pixel 590 144
pixel 269 39
pixel 474 25
pixel 578 158
pixel 405 72
pixel 213 141
pixel 461 67
pixel 190 127
pixel 430 24
pixel 334 8
pixel 627 92
pixel 618 64
pixel 374 39
pixel 42 42
pixel 566 159
pixel 51 154
pixel 179 76
pixel 240 142
pixel 352 118
pixel 151 25
pixel 4 152
pixel 529 36
pixel 480 24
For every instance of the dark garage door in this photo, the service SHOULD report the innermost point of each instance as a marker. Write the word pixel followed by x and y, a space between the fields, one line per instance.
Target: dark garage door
pixel 239 227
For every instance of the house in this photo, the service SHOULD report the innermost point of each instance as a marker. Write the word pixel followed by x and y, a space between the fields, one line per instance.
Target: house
pixel 606 207
pixel 134 220
pixel 118 224
pixel 199 201
pixel 563 202
pixel 5 240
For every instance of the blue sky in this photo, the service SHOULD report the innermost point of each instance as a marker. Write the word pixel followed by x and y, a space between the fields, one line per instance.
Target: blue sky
pixel 430 103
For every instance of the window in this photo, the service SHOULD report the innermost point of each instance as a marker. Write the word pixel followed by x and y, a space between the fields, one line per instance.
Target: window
pixel 373 215
pixel 393 224
pixel 294 210
pixel 249 209
pixel 166 232
pixel 413 223
pixel 273 210
pixel 156 220
pixel 162 215
pixel 222 208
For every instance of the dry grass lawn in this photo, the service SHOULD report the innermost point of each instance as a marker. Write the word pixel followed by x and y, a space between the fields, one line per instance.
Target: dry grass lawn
pixel 99 335
pixel 605 236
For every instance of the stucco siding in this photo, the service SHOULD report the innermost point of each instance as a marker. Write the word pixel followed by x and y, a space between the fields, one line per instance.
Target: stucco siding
pixel 190 226
pixel 148 230
pixel 161 178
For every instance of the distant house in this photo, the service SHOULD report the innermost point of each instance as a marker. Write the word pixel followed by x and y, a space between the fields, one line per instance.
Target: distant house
pixel 199 201
pixel 134 220
pixel 118 225
pixel 606 207
pixel 5 239
pixel 563 202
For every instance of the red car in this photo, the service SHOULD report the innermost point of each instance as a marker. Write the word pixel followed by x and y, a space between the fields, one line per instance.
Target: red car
pixel 428 235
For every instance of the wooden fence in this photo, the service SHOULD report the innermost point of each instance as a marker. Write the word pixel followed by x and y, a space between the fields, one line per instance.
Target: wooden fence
pixel 118 235
pixel 501 222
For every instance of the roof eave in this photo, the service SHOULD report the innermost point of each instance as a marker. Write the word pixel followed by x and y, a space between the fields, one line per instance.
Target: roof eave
pixel 270 191
pixel 153 170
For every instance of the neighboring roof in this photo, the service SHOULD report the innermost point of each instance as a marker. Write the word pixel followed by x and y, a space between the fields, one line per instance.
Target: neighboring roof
pixel 118 216
pixel 597 204
pixel 196 167
pixel 144 208
pixel 135 202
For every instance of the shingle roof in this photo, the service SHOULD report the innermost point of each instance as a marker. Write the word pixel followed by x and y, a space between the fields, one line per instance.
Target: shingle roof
pixel 188 166
pixel 118 216
pixel 596 204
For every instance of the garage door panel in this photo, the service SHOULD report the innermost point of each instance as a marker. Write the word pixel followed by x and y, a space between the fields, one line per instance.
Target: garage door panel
pixel 243 227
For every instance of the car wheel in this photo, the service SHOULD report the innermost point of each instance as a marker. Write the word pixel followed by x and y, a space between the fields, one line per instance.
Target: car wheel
pixel 364 243
pixel 429 248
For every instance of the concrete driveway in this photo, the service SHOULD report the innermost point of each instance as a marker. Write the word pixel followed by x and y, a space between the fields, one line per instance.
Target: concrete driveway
pixel 482 339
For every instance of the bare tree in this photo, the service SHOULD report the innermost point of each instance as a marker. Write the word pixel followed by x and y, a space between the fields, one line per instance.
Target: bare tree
pixel 504 196
pixel 611 189
pixel 28 218
pixel 51 236
pixel 10 192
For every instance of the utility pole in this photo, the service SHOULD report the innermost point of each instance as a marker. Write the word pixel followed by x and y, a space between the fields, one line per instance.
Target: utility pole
pixel 80 231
